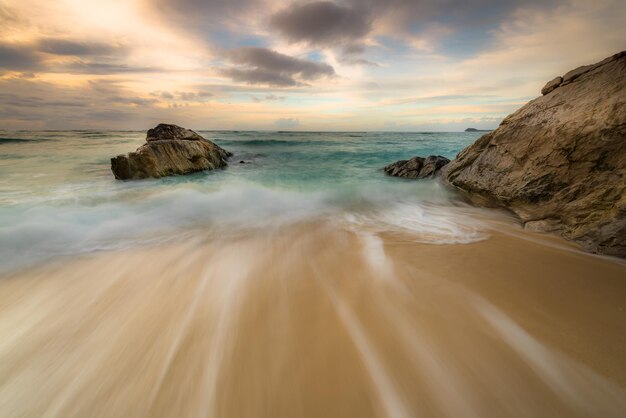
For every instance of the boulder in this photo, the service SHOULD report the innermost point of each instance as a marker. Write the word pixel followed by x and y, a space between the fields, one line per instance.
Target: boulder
pixel 551 85
pixel 559 162
pixel 417 167
pixel 169 150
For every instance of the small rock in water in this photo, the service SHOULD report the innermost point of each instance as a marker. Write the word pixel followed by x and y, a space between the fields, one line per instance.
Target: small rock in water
pixel 417 167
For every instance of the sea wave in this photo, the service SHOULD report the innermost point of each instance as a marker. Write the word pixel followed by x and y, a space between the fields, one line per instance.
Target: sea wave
pixel 33 234
pixel 37 232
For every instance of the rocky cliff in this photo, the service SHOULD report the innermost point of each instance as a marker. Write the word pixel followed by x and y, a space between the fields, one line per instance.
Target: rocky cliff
pixel 169 150
pixel 559 162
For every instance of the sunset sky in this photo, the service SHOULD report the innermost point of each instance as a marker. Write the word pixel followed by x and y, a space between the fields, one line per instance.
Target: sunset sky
pixel 273 65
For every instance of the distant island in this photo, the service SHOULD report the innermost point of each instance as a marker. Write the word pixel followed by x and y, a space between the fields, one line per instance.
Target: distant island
pixel 477 130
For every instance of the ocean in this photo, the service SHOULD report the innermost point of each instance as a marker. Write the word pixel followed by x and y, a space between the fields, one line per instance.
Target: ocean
pixel 59 197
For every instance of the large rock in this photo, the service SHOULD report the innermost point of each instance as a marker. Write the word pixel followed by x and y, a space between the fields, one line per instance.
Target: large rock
pixel 559 162
pixel 417 167
pixel 169 150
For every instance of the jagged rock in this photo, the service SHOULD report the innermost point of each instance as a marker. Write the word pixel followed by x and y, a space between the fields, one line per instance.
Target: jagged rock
pixel 551 85
pixel 559 162
pixel 417 167
pixel 169 150
pixel 433 165
pixel 164 132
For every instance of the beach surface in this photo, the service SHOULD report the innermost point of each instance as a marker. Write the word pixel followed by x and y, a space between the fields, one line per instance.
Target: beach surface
pixel 316 319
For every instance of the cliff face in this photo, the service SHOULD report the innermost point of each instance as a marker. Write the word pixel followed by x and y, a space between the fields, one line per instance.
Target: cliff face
pixel 169 150
pixel 559 162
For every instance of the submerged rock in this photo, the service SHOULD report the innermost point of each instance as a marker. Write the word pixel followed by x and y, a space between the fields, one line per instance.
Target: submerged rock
pixel 559 162
pixel 169 150
pixel 417 167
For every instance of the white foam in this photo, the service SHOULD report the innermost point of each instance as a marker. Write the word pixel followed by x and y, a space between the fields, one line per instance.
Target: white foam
pixel 36 233
pixel 427 224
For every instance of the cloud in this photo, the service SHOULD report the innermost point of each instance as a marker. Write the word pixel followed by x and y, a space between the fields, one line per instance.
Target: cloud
pixel 101 68
pixel 14 57
pixel 69 47
pixel 193 96
pixel 348 60
pixel 208 17
pixel 103 103
pixel 29 57
pixel 268 98
pixel 9 17
pixel 322 23
pixel 165 95
pixel 264 66
pixel 259 76
pixel 287 123
pixel 185 96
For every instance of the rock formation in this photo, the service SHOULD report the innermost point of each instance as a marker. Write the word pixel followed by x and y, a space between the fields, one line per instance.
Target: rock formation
pixel 559 162
pixel 169 150
pixel 417 167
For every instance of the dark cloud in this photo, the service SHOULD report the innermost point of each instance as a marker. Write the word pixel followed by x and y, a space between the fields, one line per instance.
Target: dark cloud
pixel 101 68
pixel 18 58
pixel 259 76
pixel 322 23
pixel 457 27
pixel 99 102
pixel 264 66
pixel 352 49
pixel 18 100
pixel 69 47
pixel 29 57
pixel 462 12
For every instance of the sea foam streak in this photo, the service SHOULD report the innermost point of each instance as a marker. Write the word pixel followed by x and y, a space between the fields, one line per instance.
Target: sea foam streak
pixel 36 232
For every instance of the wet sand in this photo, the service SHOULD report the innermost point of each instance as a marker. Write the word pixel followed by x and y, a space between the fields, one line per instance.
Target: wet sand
pixel 314 320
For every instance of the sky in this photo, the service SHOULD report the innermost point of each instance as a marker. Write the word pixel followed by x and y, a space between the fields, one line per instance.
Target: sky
pixel 361 65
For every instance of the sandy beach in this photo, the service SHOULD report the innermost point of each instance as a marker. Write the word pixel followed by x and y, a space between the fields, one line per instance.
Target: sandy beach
pixel 316 320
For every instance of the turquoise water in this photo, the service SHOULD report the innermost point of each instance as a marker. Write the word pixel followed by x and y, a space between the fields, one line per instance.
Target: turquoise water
pixel 58 196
